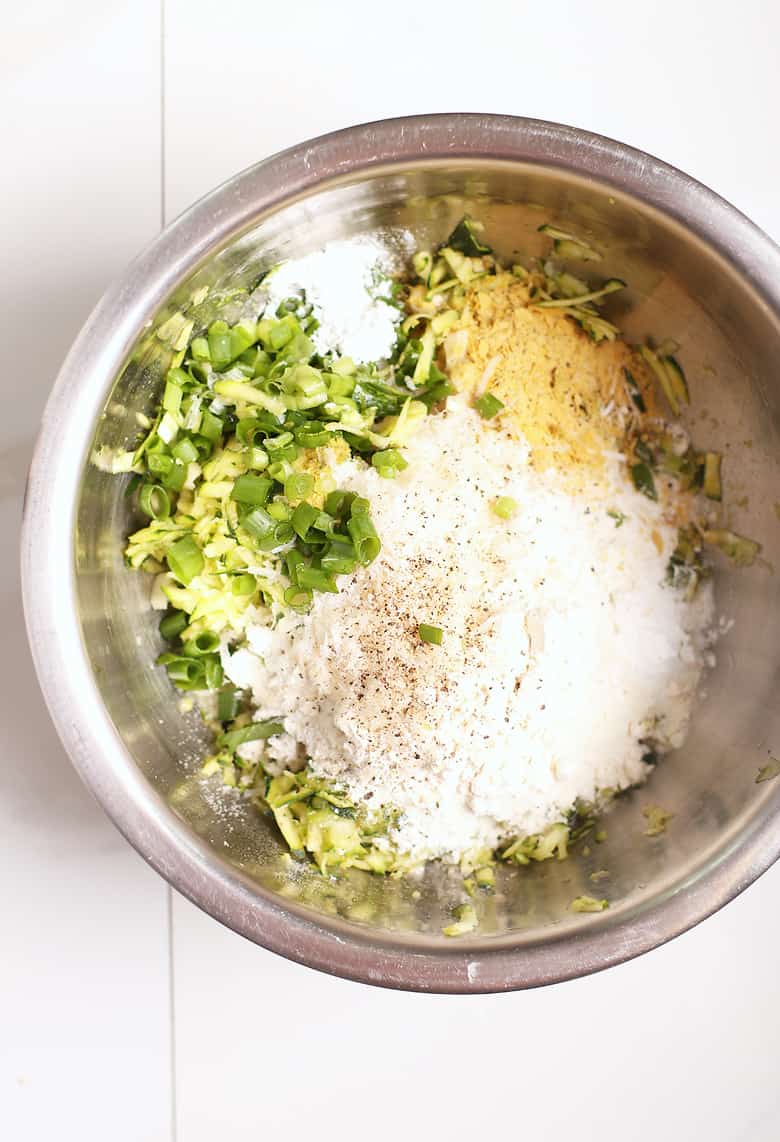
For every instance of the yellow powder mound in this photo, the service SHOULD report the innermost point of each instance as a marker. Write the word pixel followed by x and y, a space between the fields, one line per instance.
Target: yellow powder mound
pixel 565 393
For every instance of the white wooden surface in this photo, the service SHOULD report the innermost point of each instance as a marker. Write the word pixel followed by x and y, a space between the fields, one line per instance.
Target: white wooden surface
pixel 85 1033
pixel 126 1013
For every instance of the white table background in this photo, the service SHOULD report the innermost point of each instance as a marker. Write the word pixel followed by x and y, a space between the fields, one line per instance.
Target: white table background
pixel 125 1013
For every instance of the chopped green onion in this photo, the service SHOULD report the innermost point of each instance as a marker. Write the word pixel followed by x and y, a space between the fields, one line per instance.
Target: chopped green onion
pixel 214 674
pixel 250 429
pixel 282 533
pixel 339 558
pixel 186 673
pixel 344 367
pixel 313 435
pixel 279 335
pixel 359 506
pixel 172 624
pixel 279 470
pixel 202 445
pixel 257 731
pixel 219 344
pixel 251 489
pixel 154 501
pixel 298 486
pixel 389 463
pixel 199 348
pixel 211 426
pixel 168 428
pixel 172 394
pixel 244 585
pixel 242 336
pixel 433 635
pixel 364 537
pixel 185 559
pixel 303 518
pixel 159 463
pixel 505 507
pixel 227 704
pixel 299 598
pixel 258 523
pixel 317 580
pixel 279 510
pixel 488 406
pixel 175 476
pixel 340 386
pixel 235 391
pixel 276 444
pixel 324 523
pixel 185 451
pixel 179 377
pixel 338 504
pixel 294 561
pixel 304 386
pixel 287 454
pixel 204 643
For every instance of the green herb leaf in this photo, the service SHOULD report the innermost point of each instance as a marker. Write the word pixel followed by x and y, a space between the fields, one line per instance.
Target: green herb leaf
pixel 488 406
pixel 433 635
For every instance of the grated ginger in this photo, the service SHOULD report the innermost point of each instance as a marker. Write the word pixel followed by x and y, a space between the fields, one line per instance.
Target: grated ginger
pixel 565 395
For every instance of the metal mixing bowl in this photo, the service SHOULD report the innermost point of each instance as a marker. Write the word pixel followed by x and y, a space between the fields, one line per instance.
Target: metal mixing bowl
pixel 699 272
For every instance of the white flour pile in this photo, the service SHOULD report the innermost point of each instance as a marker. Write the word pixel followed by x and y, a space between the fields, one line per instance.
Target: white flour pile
pixel 347 284
pixel 563 649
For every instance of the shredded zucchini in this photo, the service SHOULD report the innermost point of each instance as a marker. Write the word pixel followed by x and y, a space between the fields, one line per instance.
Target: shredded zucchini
pixel 671 377
pixel 588 904
pixel 567 245
pixel 740 551
pixel 657 820
pixel 465 921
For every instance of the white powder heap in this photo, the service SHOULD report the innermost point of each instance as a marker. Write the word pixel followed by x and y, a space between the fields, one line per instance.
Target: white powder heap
pixel 347 284
pixel 562 646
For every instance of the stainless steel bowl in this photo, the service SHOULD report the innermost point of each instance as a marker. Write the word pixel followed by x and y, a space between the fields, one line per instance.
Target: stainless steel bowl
pixel 699 272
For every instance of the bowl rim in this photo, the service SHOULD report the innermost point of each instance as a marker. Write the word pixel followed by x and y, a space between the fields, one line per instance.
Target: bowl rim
pixel 49 580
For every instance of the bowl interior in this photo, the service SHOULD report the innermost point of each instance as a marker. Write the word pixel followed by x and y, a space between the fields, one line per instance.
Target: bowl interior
pixel 679 288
